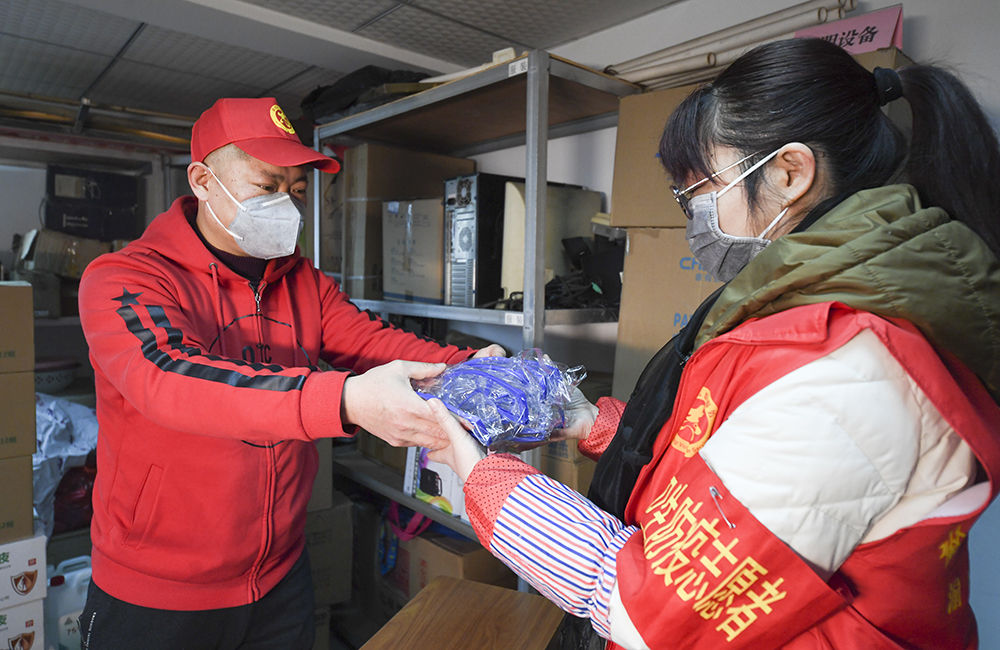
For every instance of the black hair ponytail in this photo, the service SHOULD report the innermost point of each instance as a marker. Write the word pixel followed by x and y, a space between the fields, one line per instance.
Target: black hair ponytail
pixel 954 159
pixel 814 92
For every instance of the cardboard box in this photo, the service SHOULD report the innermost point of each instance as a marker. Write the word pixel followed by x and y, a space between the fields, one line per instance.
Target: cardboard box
pixel 663 284
pixel 381 451
pixel 17 327
pixel 640 188
pixel 15 504
pixel 23 577
pixel 352 204
pixel 434 483
pixel 563 450
pixel 413 250
pixel 46 291
pixel 423 558
pixel 322 492
pixel 574 474
pixel 23 626
pixel 322 618
pixel 17 414
pixel 641 195
pixel 62 254
pixel 329 535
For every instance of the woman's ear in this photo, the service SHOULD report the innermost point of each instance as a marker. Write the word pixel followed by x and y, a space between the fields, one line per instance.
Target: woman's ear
pixel 198 176
pixel 793 173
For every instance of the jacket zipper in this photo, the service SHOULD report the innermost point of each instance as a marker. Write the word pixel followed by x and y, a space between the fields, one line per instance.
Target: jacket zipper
pixel 268 528
pixel 271 470
pixel 257 293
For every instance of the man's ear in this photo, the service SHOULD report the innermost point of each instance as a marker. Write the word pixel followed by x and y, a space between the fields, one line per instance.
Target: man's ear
pixel 793 172
pixel 198 176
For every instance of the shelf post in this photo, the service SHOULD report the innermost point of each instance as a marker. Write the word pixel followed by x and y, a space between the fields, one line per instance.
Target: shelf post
pixel 535 183
pixel 317 195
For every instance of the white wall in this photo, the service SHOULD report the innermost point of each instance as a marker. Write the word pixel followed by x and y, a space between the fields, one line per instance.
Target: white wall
pixel 960 34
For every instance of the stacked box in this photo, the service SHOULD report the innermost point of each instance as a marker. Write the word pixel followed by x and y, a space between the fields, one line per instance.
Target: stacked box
pixel 434 483
pixel 23 583
pixel 22 626
pixel 413 250
pixel 329 541
pixel 351 222
pixel 563 462
pixel 62 254
pixel 322 619
pixel 322 492
pixel 17 406
pixel 382 452
pixel 662 283
pixel 425 557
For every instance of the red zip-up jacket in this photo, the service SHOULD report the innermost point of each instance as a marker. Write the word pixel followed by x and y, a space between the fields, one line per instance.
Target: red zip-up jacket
pixel 208 400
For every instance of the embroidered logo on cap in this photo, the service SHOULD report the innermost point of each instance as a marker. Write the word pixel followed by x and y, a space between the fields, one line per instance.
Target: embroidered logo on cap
pixel 280 120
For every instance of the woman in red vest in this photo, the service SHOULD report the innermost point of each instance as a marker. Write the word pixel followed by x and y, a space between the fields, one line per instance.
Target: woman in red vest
pixel 801 465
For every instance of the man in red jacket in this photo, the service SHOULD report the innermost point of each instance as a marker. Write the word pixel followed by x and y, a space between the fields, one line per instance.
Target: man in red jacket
pixel 205 335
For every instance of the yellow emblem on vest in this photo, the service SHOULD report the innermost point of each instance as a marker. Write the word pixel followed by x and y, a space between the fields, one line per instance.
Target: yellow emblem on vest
pixel 280 120
pixel 696 427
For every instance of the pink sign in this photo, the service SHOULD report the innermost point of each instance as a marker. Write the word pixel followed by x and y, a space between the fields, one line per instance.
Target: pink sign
pixel 874 30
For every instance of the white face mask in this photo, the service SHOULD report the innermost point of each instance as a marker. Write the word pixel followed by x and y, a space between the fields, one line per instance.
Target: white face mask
pixel 719 253
pixel 265 226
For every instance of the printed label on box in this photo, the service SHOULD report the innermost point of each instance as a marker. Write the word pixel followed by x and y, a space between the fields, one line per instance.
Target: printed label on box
pixel 434 483
pixel 23 576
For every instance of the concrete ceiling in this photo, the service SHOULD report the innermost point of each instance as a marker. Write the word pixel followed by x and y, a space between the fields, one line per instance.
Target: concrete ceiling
pixel 78 64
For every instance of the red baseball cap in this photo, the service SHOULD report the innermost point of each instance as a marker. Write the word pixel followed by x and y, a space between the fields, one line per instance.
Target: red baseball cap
pixel 258 126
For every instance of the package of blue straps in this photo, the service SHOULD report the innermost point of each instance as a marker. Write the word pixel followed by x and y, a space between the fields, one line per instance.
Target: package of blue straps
pixel 510 403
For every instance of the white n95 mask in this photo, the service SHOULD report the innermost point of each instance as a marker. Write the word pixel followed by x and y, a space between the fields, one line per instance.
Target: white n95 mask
pixel 265 226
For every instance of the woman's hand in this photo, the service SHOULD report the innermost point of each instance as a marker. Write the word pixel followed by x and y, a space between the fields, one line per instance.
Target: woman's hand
pixel 464 451
pixel 491 350
pixel 579 416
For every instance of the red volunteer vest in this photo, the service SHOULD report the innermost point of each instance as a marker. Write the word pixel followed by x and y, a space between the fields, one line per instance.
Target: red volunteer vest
pixel 706 574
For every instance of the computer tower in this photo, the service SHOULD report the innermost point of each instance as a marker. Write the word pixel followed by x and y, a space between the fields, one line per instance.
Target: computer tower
pixel 473 226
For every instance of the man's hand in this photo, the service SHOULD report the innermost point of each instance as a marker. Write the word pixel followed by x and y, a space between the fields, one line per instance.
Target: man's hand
pixel 491 350
pixel 580 416
pixel 382 402
pixel 464 451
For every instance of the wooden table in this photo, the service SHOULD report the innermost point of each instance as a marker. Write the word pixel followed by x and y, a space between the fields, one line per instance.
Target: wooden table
pixel 451 613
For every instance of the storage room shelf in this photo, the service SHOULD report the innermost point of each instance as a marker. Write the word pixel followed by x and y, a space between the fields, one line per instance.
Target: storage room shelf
pixel 491 316
pixel 383 480
pixel 486 111
pixel 529 100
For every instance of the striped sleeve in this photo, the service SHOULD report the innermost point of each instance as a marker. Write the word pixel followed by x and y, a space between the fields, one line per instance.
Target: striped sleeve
pixel 609 414
pixel 558 542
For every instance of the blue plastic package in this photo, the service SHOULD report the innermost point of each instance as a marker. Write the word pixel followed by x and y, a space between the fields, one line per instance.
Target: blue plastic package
pixel 510 402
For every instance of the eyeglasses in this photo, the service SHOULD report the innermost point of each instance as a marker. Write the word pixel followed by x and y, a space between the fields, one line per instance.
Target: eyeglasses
pixel 684 196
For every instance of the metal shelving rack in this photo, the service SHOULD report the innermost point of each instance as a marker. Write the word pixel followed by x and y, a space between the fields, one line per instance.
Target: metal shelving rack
pixel 529 100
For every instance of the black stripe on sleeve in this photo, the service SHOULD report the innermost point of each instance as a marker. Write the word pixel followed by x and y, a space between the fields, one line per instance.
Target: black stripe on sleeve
pixel 190 368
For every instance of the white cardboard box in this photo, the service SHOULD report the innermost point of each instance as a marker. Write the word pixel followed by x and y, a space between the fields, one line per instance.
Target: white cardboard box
pixel 23 626
pixel 22 571
pixel 433 482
